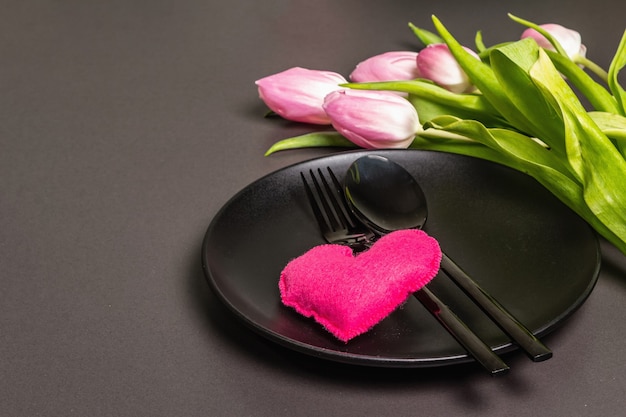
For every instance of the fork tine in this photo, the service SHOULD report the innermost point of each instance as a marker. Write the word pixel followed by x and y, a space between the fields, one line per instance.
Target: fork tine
pixel 340 203
pixel 333 216
pixel 323 205
pixel 323 222
pixel 328 201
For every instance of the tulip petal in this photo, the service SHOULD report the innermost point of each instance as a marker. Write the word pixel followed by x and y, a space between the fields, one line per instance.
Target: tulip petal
pixel 567 41
pixel 373 119
pixel 389 66
pixel 436 63
pixel 297 94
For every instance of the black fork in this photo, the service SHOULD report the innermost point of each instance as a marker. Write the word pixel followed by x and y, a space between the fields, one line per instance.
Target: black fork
pixel 335 219
pixel 339 225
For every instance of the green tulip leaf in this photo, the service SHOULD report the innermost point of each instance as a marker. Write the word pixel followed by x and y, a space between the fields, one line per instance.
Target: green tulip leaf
pixel 599 97
pixel 607 120
pixel 425 36
pixel 618 62
pixel 613 126
pixel 593 156
pixel 524 150
pixel 441 141
pixel 311 140
pixel 480 44
pixel 511 65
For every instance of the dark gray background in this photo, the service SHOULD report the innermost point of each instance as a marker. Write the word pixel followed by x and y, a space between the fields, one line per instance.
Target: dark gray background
pixel 125 125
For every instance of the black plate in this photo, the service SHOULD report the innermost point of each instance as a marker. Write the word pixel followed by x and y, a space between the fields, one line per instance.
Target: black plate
pixel 532 253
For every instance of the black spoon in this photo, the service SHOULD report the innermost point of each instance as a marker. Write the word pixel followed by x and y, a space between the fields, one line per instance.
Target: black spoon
pixel 386 197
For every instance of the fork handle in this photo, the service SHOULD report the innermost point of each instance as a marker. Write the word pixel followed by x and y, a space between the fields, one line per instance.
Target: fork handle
pixel 459 330
pixel 523 337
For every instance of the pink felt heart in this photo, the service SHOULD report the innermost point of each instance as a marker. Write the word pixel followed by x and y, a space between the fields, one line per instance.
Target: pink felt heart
pixel 349 294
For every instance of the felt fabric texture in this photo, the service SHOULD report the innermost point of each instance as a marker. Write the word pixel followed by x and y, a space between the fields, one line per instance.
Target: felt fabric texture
pixel 348 294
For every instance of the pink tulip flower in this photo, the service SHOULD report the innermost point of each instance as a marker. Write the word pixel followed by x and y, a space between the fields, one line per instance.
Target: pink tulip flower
pixel 436 63
pixel 297 94
pixel 373 119
pixel 569 39
pixel 390 66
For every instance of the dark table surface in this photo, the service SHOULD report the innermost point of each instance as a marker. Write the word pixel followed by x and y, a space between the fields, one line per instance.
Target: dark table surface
pixel 126 125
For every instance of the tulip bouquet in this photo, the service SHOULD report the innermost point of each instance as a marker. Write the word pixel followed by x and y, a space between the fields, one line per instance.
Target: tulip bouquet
pixel 518 103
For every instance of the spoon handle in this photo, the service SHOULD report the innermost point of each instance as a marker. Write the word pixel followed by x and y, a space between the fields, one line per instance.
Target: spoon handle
pixel 523 337
pixel 459 330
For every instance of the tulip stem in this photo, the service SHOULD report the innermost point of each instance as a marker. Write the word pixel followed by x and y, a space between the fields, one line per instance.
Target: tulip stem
pixel 592 66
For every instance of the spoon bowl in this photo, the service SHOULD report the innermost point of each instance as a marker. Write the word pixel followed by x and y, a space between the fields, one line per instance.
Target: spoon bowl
pixel 384 195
